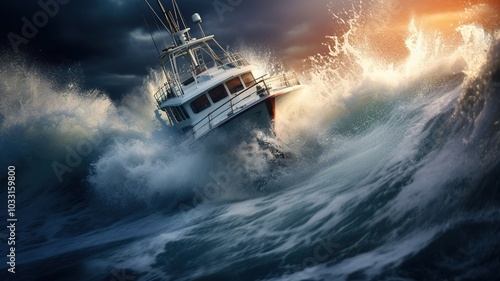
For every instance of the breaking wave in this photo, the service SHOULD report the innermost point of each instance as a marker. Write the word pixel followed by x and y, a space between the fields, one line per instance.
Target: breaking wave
pixel 389 171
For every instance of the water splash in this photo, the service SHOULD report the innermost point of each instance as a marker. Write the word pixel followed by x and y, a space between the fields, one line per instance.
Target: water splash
pixel 373 140
pixel 353 71
pixel 53 129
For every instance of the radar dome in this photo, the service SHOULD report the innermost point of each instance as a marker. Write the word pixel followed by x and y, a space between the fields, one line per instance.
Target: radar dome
pixel 196 18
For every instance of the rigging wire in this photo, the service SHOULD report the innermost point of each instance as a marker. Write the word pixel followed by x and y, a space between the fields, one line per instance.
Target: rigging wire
pixel 178 10
pixel 158 17
pixel 163 37
pixel 169 21
pixel 149 29
pixel 152 37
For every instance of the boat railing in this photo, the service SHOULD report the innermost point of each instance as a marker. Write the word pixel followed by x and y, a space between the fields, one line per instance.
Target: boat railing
pixel 237 59
pixel 261 88
pixel 191 75
pixel 229 108
pixel 173 89
pixel 167 91
pixel 231 60
pixel 283 80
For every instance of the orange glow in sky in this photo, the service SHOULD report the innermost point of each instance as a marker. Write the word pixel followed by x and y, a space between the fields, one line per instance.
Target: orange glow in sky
pixel 443 16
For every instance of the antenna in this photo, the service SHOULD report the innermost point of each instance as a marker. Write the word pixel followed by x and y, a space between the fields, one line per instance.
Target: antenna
pixel 179 36
pixel 171 30
pixel 177 13
pixel 174 23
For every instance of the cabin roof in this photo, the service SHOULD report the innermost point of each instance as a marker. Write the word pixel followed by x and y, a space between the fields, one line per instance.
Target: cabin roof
pixel 186 46
pixel 207 80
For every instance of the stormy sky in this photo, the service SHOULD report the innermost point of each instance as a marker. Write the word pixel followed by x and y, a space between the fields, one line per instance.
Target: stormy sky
pixel 109 41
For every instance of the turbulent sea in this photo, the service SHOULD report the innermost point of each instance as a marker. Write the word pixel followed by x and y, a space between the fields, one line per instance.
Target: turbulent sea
pixel 379 171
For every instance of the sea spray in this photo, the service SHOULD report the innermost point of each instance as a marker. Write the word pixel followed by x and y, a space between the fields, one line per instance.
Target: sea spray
pixel 394 167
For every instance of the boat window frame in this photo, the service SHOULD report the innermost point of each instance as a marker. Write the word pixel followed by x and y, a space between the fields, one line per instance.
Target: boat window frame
pixel 177 114
pixel 226 92
pixel 195 110
pixel 184 111
pixel 171 121
pixel 241 84
pixel 253 82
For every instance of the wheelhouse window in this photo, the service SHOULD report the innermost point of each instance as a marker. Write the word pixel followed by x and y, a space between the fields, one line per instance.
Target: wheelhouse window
pixel 218 93
pixel 200 104
pixel 248 79
pixel 234 85
pixel 177 113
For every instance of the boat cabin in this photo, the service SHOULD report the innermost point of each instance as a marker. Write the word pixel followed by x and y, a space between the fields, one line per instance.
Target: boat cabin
pixel 207 86
pixel 201 76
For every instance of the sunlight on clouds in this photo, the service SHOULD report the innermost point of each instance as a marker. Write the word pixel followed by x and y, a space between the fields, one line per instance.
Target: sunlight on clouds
pixel 385 32
pixel 481 13
pixel 139 35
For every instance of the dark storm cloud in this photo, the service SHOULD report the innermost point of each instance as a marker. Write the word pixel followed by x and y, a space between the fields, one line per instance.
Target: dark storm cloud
pixel 110 42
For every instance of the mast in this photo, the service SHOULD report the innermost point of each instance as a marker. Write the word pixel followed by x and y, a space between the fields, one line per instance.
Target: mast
pixel 164 12
pixel 179 36
pixel 187 56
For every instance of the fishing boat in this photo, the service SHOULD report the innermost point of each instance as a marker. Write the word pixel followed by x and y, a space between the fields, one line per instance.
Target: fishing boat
pixel 208 87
